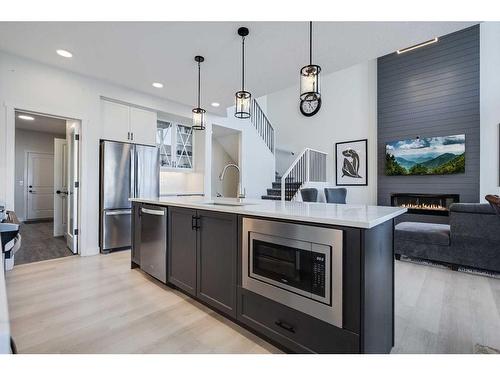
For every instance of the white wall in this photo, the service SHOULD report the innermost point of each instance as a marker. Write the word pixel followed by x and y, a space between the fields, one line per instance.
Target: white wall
pixel 229 186
pixel 349 112
pixel 29 85
pixel 489 107
pixel 256 160
pixel 27 140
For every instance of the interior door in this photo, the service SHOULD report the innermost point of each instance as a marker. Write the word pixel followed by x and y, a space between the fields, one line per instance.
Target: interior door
pixel 72 140
pixel 40 188
pixel 60 186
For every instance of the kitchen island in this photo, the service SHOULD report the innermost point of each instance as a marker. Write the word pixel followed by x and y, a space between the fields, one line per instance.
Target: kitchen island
pixel 308 277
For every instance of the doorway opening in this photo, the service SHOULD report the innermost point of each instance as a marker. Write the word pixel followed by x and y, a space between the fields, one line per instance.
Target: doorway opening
pixel 226 149
pixel 46 185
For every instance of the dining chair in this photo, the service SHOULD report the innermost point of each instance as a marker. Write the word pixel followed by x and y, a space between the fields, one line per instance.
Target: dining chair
pixel 335 195
pixel 309 194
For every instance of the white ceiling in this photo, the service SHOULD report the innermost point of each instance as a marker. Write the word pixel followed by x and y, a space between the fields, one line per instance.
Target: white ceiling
pixel 135 54
pixel 41 123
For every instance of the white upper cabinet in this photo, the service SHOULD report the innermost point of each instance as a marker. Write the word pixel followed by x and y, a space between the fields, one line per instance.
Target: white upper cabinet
pixel 143 126
pixel 124 123
pixel 115 119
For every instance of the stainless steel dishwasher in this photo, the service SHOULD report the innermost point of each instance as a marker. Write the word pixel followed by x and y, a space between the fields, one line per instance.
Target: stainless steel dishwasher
pixel 153 243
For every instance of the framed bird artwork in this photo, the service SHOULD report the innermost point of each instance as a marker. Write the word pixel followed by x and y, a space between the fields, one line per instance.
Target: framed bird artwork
pixel 351 163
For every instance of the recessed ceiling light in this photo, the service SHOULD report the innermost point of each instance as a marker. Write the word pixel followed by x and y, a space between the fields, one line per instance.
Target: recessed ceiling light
pixel 158 85
pixel 215 104
pixel 64 53
pixel 26 117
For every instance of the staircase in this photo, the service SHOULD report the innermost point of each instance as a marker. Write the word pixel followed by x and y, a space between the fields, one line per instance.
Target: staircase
pixel 262 125
pixel 275 192
pixel 310 166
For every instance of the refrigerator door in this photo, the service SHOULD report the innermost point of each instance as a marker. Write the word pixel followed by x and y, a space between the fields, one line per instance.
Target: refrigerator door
pixel 116 229
pixel 115 178
pixel 146 172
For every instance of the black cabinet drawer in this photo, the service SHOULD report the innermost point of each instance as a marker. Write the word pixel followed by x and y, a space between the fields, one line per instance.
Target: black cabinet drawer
pixel 293 329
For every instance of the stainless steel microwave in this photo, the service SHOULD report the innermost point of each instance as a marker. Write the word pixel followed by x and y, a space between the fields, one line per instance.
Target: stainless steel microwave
pixel 297 265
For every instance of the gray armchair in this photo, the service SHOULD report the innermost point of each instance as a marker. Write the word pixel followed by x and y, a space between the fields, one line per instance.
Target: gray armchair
pixel 471 239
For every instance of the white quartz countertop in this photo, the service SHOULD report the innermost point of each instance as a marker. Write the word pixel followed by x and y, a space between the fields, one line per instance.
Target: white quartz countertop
pixel 350 215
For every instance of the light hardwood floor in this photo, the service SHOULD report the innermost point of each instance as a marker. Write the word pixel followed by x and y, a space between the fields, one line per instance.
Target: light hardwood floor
pixel 99 305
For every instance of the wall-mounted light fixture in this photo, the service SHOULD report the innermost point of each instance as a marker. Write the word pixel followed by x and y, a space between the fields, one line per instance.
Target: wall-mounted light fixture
pixel 408 49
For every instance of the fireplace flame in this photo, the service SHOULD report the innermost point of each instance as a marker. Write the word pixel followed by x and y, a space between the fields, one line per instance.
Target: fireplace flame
pixel 424 206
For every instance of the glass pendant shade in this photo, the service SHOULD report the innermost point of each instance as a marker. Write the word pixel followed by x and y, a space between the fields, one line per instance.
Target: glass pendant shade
pixel 199 118
pixel 243 101
pixel 198 112
pixel 310 83
pixel 309 76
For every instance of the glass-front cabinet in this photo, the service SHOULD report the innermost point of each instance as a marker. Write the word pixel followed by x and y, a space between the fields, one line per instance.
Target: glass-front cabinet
pixel 176 144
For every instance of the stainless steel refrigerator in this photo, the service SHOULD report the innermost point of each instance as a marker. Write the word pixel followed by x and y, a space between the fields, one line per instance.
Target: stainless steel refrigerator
pixel 126 171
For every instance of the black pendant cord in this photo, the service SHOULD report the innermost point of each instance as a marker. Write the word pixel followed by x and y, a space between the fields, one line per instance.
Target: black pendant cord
pixel 243 63
pixel 310 42
pixel 199 83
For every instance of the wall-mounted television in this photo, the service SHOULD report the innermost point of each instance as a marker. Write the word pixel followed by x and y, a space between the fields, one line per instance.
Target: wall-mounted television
pixel 426 156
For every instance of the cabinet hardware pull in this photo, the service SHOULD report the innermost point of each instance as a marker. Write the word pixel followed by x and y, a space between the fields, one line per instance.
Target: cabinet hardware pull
pixel 285 326
pixel 193 222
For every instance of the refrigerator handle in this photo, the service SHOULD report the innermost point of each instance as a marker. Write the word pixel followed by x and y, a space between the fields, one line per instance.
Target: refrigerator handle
pixel 132 173
pixel 137 173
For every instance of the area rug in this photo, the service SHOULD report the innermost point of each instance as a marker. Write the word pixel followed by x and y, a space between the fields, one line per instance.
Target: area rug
pixel 483 349
pixel 473 271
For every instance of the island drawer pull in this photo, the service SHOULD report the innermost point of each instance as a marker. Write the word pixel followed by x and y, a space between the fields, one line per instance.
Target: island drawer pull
pixel 285 326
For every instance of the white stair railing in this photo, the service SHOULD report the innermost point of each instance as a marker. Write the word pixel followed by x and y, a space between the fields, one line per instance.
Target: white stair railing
pixel 310 166
pixel 262 125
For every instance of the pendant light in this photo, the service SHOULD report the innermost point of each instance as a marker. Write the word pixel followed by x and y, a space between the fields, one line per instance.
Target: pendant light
pixel 198 112
pixel 309 76
pixel 243 98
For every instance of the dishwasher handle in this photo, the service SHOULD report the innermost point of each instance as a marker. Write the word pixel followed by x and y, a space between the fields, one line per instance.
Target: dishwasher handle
pixel 118 212
pixel 152 212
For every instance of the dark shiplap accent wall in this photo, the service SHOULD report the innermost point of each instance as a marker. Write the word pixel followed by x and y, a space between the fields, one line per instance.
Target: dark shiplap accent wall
pixel 428 92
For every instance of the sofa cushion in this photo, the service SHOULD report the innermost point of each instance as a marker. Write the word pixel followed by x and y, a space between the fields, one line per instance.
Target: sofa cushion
pixel 437 234
pixel 473 208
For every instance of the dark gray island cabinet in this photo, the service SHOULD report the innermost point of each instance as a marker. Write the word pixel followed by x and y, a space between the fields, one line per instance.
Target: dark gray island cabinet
pixel 298 292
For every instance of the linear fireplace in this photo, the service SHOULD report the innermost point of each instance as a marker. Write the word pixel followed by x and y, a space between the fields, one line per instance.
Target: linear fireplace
pixel 425 204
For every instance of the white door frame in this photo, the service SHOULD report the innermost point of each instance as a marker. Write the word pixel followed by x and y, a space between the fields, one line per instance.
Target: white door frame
pixel 25 174
pixel 10 155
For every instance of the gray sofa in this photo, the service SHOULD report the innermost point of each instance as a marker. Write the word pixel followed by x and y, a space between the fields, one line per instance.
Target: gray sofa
pixel 472 239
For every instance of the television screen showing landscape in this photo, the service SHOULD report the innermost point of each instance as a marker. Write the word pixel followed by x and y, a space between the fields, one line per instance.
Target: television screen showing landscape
pixel 426 156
